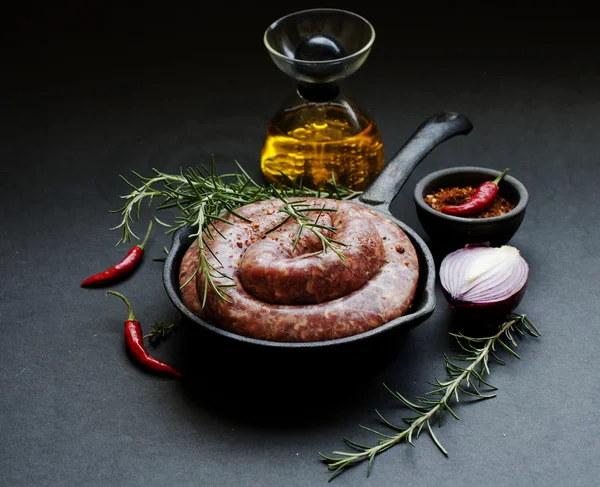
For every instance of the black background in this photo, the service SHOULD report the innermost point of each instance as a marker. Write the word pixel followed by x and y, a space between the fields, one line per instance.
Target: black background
pixel 89 92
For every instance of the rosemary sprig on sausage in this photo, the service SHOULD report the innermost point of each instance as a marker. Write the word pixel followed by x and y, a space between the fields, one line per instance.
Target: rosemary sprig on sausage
pixel 296 210
pixel 202 197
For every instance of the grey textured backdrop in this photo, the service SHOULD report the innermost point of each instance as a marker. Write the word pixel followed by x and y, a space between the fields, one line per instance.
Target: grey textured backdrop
pixel 89 93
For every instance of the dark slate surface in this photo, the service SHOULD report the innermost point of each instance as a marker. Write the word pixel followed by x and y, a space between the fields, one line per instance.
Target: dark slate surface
pixel 88 93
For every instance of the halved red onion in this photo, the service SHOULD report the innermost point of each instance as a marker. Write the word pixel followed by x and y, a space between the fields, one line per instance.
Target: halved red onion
pixel 484 280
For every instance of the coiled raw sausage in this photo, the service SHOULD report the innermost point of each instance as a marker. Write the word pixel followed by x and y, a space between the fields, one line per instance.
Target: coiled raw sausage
pixel 303 294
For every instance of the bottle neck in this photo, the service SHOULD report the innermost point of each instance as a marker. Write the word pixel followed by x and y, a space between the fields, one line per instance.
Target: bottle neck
pixel 319 93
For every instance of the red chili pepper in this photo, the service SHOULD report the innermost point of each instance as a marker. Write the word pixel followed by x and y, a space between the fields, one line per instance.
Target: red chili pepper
pixel 482 198
pixel 134 340
pixel 123 268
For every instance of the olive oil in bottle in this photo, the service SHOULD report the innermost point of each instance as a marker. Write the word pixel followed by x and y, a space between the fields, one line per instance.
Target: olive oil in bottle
pixel 313 142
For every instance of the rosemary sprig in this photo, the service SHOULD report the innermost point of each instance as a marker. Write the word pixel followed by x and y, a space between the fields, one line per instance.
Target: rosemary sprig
pixel 462 379
pixel 295 210
pixel 160 331
pixel 201 197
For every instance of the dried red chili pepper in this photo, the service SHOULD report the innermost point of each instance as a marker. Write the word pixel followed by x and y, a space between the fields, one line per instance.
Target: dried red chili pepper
pixel 482 198
pixel 134 340
pixel 123 268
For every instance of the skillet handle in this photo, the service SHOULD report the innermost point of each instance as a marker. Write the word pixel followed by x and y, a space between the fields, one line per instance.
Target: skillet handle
pixel 432 132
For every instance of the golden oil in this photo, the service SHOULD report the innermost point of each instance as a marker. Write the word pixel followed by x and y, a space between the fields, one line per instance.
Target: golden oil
pixel 314 141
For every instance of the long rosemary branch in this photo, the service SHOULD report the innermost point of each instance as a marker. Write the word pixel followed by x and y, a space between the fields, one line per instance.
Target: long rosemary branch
pixel 477 351
pixel 201 196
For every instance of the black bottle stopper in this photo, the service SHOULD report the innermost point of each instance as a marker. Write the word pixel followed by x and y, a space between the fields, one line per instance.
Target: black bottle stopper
pixel 319 47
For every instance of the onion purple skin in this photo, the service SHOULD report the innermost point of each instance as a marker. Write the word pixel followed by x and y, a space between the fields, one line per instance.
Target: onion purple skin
pixel 484 312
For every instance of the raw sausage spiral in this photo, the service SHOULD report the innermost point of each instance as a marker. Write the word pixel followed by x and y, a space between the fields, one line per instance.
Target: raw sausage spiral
pixel 302 295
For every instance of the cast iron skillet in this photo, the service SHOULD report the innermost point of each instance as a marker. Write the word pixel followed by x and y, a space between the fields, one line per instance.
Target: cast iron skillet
pixel 378 196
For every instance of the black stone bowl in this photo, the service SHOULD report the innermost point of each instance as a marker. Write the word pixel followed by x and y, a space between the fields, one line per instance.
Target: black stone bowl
pixel 452 232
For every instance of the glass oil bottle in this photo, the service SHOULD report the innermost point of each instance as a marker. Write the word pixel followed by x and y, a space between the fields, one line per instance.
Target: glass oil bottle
pixel 319 134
